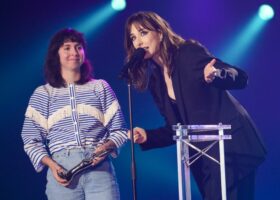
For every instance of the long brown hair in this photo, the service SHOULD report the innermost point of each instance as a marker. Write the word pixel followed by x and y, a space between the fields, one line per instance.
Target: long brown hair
pixel 170 42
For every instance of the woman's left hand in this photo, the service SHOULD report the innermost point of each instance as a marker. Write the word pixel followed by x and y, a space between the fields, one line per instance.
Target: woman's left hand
pixel 102 148
pixel 210 71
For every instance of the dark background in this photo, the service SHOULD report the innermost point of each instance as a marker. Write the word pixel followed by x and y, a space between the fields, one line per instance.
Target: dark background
pixel 26 27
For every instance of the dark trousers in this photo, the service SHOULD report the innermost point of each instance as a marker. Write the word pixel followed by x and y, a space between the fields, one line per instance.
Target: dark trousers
pixel 209 184
pixel 244 190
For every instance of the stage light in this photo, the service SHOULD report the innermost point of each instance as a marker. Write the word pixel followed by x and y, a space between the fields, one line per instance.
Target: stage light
pixel 118 4
pixel 266 12
pixel 239 46
pixel 93 22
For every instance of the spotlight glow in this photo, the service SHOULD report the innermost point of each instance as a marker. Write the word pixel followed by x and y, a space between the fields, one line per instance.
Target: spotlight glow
pixel 239 46
pixel 93 22
pixel 266 12
pixel 118 4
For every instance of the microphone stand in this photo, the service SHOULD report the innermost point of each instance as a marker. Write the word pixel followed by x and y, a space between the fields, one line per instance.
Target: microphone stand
pixel 125 74
pixel 133 164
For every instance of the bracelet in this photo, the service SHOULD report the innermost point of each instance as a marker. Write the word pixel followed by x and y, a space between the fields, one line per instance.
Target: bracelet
pixel 221 73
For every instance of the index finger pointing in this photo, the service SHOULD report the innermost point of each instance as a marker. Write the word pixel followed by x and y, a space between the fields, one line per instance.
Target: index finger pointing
pixel 212 62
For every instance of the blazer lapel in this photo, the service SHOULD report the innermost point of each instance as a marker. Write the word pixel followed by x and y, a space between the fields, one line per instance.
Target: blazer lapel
pixel 162 99
pixel 177 87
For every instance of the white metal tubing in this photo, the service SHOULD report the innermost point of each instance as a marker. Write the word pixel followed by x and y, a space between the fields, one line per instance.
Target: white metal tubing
pixel 222 165
pixel 179 163
pixel 187 168
pixel 201 152
pixel 183 158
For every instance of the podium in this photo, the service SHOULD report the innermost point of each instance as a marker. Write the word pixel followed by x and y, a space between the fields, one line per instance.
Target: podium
pixel 185 140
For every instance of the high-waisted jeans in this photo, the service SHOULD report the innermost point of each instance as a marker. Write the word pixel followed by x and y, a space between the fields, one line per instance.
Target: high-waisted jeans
pixel 95 183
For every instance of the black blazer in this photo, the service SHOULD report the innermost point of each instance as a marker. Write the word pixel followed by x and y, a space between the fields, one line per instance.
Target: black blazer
pixel 201 103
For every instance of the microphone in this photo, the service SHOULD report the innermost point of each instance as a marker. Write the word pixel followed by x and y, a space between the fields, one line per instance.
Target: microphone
pixel 135 59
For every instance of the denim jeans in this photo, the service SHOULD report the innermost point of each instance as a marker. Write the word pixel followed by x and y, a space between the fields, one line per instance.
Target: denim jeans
pixel 94 183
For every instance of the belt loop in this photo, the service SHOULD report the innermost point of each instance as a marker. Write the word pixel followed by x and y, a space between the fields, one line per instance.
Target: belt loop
pixel 83 149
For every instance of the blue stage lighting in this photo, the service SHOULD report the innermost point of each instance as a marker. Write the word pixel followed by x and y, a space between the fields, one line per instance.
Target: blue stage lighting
pixel 94 21
pixel 238 47
pixel 266 12
pixel 118 4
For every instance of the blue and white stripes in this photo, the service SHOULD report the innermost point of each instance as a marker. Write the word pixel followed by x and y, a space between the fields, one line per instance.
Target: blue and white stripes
pixel 71 117
pixel 74 113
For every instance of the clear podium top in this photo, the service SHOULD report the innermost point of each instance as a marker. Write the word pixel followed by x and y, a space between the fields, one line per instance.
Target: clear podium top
pixel 202 138
pixel 201 128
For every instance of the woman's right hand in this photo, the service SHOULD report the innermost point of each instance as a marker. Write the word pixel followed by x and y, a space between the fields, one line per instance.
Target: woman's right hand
pixel 210 71
pixel 55 168
pixel 139 134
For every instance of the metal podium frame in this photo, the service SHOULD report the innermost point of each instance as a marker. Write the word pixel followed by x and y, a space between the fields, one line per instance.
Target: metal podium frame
pixel 184 161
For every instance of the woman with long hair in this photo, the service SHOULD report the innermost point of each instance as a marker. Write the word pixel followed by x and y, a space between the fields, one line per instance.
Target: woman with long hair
pixel 190 86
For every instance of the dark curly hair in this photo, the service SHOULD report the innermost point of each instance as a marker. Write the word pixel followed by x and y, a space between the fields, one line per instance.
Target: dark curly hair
pixel 52 63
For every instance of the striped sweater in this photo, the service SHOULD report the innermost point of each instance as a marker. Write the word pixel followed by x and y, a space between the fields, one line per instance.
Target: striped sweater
pixel 71 117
